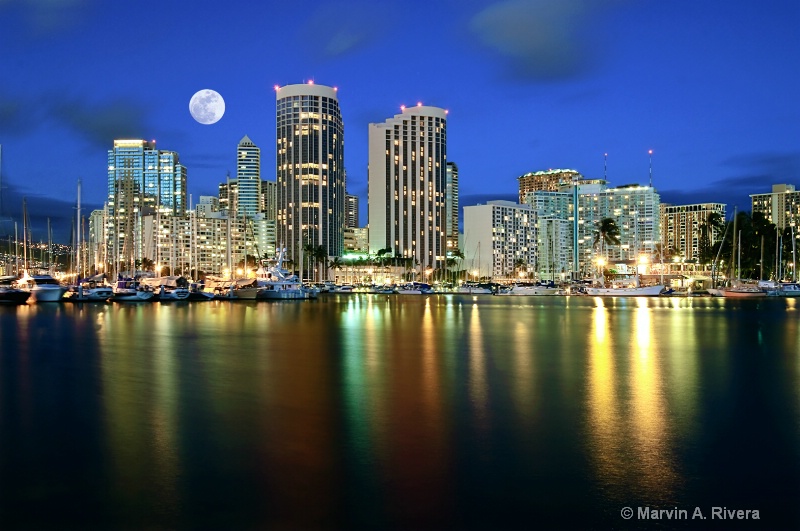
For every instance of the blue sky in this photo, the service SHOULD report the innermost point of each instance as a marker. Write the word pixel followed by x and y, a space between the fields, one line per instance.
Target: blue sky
pixel 710 86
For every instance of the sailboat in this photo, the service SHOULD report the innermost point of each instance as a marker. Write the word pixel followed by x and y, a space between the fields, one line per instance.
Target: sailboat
pixel 739 290
pixel 43 288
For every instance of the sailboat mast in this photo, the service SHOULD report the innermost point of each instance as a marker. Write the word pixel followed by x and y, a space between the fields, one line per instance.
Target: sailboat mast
pixel 739 259
pixel 78 236
pixel 24 234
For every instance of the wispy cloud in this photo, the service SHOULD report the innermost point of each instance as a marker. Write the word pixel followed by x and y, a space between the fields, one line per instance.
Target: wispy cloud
pixel 100 123
pixel 45 17
pixel 341 28
pixel 540 40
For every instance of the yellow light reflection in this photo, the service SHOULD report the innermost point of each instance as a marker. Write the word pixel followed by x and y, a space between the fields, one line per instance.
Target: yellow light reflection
pixel 648 413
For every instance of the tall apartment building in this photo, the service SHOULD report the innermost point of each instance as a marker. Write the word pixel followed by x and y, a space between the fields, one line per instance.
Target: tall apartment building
pixel 781 206
pixel 310 169
pixel 407 185
pixel 681 227
pixel 635 209
pixel 248 177
pixel 351 211
pixel 451 206
pixel 546 181
pixel 496 236
pixel 142 180
pixel 269 199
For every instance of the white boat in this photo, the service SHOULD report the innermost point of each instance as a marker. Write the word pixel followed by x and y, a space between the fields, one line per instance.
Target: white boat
pixel 789 290
pixel 131 291
pixel 276 283
pixel 43 288
pixel 633 291
pixel 169 288
pixel 742 291
pixel 471 288
pixel 11 295
pixel 89 291
pixel 415 288
pixel 530 289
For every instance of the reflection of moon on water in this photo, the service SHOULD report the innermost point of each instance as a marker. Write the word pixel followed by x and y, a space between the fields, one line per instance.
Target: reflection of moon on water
pixel 207 106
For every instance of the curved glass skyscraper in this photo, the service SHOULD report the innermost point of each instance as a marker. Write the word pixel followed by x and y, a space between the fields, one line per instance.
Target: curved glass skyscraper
pixel 310 170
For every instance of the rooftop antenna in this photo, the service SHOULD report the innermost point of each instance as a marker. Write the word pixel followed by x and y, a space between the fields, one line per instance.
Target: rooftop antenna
pixel 651 167
pixel 605 166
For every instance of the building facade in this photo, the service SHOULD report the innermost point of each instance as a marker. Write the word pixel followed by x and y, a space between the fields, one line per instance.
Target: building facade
pixel 248 178
pixel 451 206
pixel 142 181
pixel 497 237
pixel 545 181
pixel 682 228
pixel 781 206
pixel 407 185
pixel 310 169
pixel 351 209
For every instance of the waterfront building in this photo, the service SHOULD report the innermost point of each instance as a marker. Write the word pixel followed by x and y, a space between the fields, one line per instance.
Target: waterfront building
pixel 142 181
pixel 229 196
pixel 497 237
pixel 208 206
pixel 781 206
pixel 356 240
pixel 248 178
pixel 451 205
pixel 310 169
pixel 351 212
pixel 96 240
pixel 682 228
pixel 407 185
pixel 634 208
pixel 545 181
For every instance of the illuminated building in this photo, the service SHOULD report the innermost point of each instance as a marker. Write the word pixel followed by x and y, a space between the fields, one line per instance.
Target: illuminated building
pixel 451 206
pixel 310 169
pixel 142 181
pixel 545 181
pixel 407 185
pixel 781 206
pixel 356 240
pixel 681 227
pixel 497 235
pixel 351 211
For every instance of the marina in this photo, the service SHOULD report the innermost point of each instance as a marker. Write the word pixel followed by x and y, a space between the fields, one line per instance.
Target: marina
pixel 357 411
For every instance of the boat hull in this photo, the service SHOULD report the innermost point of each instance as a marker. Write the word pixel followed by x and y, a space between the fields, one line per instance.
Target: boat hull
pixel 645 291
pixel 139 296
pixel 47 294
pixel 527 292
pixel 14 296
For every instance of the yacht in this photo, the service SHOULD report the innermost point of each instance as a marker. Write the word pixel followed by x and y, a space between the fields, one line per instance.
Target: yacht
pixel 415 288
pixel 131 291
pixel 473 288
pixel 89 291
pixel 530 289
pixel 630 291
pixel 43 288
pixel 276 283
pixel 11 295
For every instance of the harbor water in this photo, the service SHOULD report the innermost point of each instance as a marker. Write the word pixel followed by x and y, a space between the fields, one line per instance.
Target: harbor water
pixel 358 411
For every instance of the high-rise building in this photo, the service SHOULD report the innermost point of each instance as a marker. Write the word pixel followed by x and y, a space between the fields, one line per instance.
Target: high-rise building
pixel 248 176
pixel 351 209
pixel 269 199
pixel 498 236
pixel 310 169
pixel 545 181
pixel 781 206
pixel 682 227
pixel 407 185
pixel 142 181
pixel 451 205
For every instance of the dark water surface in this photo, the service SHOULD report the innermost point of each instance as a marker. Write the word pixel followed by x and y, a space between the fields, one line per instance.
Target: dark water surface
pixel 399 412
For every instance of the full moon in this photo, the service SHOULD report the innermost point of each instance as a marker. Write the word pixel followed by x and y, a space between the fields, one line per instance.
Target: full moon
pixel 207 106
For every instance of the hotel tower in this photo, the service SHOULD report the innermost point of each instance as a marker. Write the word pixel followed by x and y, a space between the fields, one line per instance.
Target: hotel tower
pixel 310 169
pixel 407 185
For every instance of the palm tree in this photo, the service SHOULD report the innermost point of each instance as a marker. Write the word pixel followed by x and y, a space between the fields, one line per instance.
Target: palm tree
pixel 459 255
pixel 606 232
pixel 308 253
pixel 320 255
pixel 520 264
pixel 336 264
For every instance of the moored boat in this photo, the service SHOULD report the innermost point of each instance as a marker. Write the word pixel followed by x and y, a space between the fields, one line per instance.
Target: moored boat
pixel 633 291
pixel 131 291
pixel 529 289
pixel 11 295
pixel 89 291
pixel 43 288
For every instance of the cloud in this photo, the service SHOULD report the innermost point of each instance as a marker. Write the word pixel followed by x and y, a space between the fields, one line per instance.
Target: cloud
pixel 46 17
pixel 15 117
pixel 340 28
pixel 101 123
pixel 40 207
pixel 541 40
pixel 755 174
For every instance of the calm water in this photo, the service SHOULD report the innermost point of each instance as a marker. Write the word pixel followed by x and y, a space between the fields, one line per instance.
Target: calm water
pixel 387 412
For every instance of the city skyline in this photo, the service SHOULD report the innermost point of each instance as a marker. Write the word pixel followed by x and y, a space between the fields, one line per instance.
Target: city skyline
pixel 708 91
